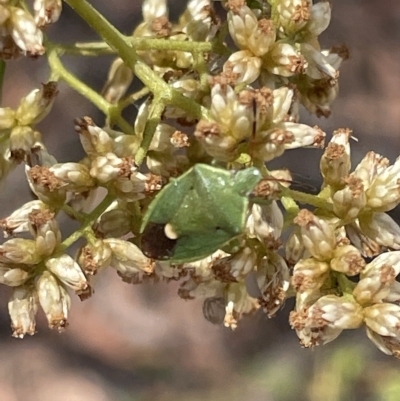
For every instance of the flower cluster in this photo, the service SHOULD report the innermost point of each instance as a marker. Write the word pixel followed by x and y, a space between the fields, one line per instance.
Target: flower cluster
pixel 149 209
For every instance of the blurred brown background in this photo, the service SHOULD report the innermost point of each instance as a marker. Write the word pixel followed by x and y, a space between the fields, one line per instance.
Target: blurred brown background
pixel 143 343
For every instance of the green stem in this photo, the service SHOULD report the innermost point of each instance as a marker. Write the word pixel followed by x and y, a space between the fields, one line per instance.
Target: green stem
pixel 156 109
pixel 90 219
pixel 97 48
pixel 306 199
pixel 72 212
pixel 2 72
pixel 123 47
pixel 59 71
pixel 292 209
pixel 345 284
pixel 132 98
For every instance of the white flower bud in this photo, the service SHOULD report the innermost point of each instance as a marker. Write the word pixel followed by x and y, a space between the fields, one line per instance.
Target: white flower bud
pixel 25 33
pixel 22 140
pixel 282 101
pixel 47 11
pixel 231 112
pixel 95 141
pixel 128 259
pixel 119 78
pixel 369 167
pixel 347 259
pixel 45 230
pixel 303 135
pixel 309 274
pixel 20 251
pixel 272 143
pixel 245 64
pixel 37 104
pixel 13 275
pixel 266 222
pixel 7 117
pixel 152 9
pixel 324 320
pixel 388 345
pixel 18 221
pixel 335 163
pixel 384 191
pixel 384 319
pixel 54 300
pixel 382 229
pixel 377 278
pixel 317 235
pixel 22 307
pixel 114 223
pixel 285 60
pixel 75 176
pixel 235 267
pixel 161 141
pixel 46 186
pixel 70 273
pixel 292 15
pixel 94 257
pixel 294 247
pixel 106 168
pixel 248 33
pixel 367 246
pixel 349 201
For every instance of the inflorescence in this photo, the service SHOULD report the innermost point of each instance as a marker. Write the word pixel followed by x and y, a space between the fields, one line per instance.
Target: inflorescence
pixel 222 87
